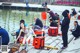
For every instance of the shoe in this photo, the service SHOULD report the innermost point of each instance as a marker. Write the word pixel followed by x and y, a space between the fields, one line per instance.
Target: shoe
pixel 76 38
pixel 62 43
pixel 64 47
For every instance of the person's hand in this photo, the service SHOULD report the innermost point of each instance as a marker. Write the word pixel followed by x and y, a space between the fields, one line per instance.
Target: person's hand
pixel 13 34
pixel 31 24
pixel 70 29
pixel 15 41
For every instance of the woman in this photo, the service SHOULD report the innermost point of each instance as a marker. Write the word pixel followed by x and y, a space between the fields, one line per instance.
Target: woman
pixel 21 37
pixel 22 33
pixel 17 32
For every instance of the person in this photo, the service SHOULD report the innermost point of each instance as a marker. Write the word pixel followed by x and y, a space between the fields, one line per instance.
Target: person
pixel 56 15
pixel 27 4
pixel 37 27
pixel 38 24
pixel 5 36
pixel 74 13
pixel 79 15
pixel 76 30
pixel 21 35
pixel 53 24
pixel 17 32
pixel 51 14
pixel 44 4
pixel 64 28
pixel 22 30
pixel 58 19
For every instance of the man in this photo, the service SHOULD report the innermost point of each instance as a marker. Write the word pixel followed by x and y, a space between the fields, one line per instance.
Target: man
pixel 38 23
pixel 51 14
pixel 5 36
pixel 53 24
pixel 38 26
pixel 76 30
pixel 64 28
pixel 57 18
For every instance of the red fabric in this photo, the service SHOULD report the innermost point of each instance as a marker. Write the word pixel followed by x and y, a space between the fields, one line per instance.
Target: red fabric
pixel 79 17
pixel 69 16
pixel 44 15
pixel 21 40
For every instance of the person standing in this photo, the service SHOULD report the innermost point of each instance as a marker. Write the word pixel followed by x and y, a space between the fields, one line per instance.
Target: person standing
pixel 64 28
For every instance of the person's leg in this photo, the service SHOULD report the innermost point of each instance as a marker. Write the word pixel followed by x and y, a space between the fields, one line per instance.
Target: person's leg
pixel 76 35
pixel 75 16
pixel 43 34
pixel 36 27
pixel 6 43
pixel 65 39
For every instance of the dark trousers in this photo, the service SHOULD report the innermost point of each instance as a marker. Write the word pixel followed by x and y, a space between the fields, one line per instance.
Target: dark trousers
pixel 6 43
pixel 75 34
pixel 65 38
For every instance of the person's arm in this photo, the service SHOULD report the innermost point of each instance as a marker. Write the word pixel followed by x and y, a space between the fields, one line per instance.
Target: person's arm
pixel 58 22
pixel 64 23
pixel 72 30
pixel 49 17
pixel 19 35
pixel 15 33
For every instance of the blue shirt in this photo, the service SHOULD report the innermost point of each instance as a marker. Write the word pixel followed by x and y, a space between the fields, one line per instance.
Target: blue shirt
pixel 5 36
